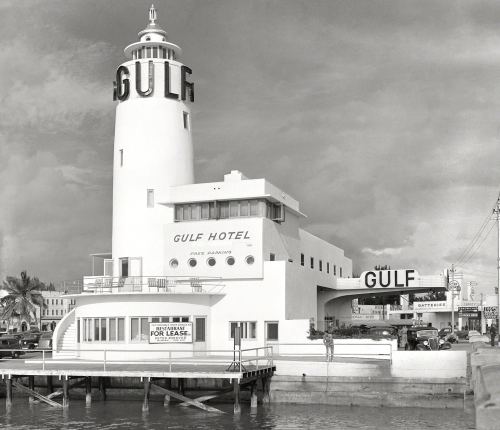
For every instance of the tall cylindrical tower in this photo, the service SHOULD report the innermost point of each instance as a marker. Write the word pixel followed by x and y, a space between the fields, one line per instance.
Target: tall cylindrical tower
pixel 153 149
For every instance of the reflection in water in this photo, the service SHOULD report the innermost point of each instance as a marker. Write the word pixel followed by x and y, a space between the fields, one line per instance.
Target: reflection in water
pixel 120 414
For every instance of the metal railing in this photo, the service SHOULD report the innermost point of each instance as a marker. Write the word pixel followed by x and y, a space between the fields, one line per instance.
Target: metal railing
pixel 147 284
pixel 359 350
pixel 119 359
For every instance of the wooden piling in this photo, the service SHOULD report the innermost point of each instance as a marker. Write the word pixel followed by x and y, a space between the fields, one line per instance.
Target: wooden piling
pixel 88 390
pixel 166 399
pixel 31 386
pixel 145 403
pixel 266 388
pixel 50 386
pixel 236 391
pixel 102 387
pixel 253 395
pixel 65 382
pixel 180 383
pixel 8 392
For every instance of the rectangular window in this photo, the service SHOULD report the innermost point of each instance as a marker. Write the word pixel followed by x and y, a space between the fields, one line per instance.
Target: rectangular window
pixel 139 53
pixel 144 329
pixel 272 257
pixel 178 213
pixel 327 267
pixel 134 329
pixel 302 259
pixel 205 211
pixel 248 329
pixel 200 330
pixel 320 265
pixel 271 330
pixel 340 272
pixel 185 120
pixel 150 198
pixel 148 52
pixel 214 210
pixel 254 208
pixel 104 337
pixel 96 329
pixel 123 267
pixel 155 52
pixel 121 157
pixel 312 263
pixel 195 212
pixel 78 322
pixel 224 209
pixel 334 270
pixel 186 213
pixel 112 329
pixel 233 209
pixel 121 329
pixel 244 208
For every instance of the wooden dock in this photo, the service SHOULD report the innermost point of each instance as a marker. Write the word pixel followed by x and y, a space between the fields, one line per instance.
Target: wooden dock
pixel 157 376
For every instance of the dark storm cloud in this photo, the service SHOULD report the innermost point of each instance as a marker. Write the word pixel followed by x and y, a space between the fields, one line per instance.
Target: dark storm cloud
pixel 381 117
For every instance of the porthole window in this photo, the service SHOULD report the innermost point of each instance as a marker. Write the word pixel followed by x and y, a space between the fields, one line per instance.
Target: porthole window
pixel 148 38
pixel 192 262
pixel 174 263
pixel 250 259
pixel 230 261
pixel 211 261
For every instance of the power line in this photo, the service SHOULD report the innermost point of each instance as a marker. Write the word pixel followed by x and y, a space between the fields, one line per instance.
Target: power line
pixel 465 253
pixel 474 252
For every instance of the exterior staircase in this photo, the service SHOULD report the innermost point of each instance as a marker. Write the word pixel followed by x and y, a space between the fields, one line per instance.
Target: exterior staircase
pixel 66 345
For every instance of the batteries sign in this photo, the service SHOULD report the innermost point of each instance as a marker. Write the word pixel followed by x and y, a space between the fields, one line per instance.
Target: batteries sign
pixel 490 312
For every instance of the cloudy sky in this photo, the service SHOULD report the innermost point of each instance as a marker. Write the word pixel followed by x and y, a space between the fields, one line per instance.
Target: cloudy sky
pixel 381 117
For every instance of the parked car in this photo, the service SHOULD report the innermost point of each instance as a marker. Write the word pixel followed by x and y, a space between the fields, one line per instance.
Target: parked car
pixel 10 343
pixel 475 336
pixel 425 339
pixel 30 340
pixel 45 341
pixel 385 332
pixel 447 335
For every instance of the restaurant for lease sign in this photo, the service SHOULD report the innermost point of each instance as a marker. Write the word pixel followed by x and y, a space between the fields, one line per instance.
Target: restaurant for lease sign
pixel 171 332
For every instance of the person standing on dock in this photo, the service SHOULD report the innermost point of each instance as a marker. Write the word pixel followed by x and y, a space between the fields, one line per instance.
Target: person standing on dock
pixel 328 341
pixel 493 332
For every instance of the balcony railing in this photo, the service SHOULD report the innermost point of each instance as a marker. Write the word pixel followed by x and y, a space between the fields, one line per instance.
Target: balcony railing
pixel 147 284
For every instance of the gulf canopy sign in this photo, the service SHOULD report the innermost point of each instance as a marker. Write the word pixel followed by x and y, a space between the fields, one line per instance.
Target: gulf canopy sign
pixel 390 279
pixel 171 332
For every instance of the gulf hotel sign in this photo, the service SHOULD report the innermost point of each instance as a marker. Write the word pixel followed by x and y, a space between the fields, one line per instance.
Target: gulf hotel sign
pixel 407 278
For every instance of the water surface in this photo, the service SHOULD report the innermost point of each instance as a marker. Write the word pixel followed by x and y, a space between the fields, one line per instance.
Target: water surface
pixel 127 414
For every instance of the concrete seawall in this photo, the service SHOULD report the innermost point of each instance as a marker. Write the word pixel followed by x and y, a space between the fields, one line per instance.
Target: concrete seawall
pixel 485 381
pixel 432 379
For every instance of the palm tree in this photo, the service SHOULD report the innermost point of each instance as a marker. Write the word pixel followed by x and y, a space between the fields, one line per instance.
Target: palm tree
pixel 22 299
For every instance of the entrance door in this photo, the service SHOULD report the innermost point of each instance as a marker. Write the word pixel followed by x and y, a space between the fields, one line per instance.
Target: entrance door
pixel 200 335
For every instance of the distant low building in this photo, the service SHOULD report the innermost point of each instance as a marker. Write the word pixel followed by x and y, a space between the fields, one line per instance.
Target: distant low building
pixel 56 308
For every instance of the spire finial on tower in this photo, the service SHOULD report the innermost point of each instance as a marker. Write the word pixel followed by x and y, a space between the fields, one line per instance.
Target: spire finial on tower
pixel 152 15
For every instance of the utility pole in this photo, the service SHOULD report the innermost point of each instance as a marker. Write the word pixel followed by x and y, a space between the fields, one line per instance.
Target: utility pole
pixel 496 211
pixel 451 286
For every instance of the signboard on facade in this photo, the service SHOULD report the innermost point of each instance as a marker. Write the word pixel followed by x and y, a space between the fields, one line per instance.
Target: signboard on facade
pixel 407 278
pixel 171 332
pixel 365 317
pixel 490 312
pixel 468 311
pixel 432 306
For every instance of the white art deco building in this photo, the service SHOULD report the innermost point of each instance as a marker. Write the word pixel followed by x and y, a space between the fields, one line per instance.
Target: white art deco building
pixel 200 258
